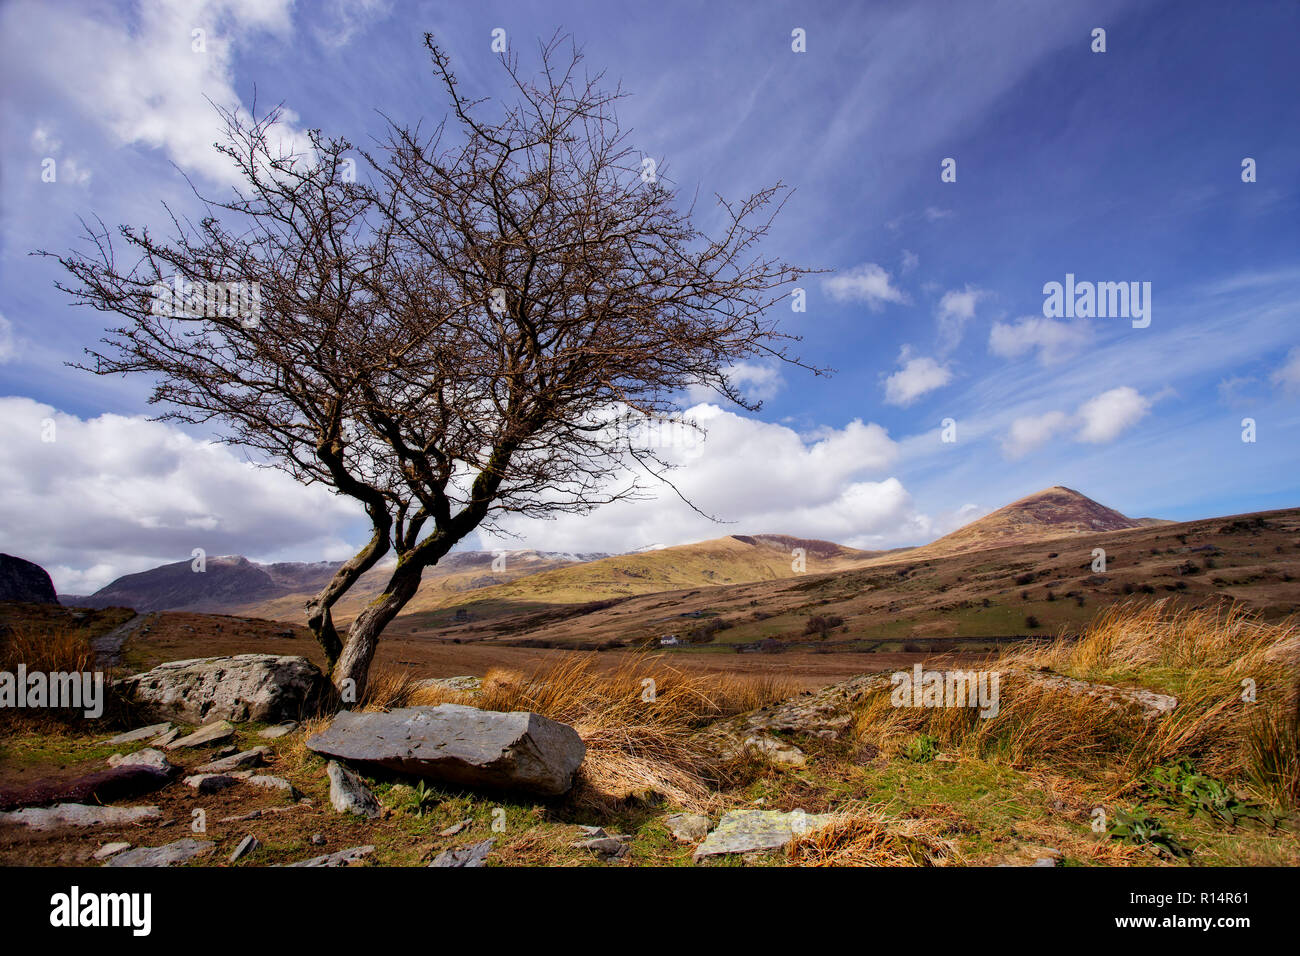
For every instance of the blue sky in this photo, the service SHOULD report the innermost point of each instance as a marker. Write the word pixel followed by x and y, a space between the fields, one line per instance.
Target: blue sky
pixel 1115 166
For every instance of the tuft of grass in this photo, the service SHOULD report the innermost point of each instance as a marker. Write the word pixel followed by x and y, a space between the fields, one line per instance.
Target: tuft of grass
pixel 636 721
pixel 1273 755
pixel 1234 674
pixel 863 837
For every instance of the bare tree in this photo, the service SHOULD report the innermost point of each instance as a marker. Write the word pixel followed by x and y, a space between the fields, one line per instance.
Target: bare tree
pixel 458 337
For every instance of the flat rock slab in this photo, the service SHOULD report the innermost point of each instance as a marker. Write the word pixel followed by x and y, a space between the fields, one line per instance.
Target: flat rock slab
pixel 474 855
pixel 341 858
pixel 247 758
pixel 1148 703
pixel 348 794
pixel 78 815
pixel 744 831
pixel 149 757
pixel 104 786
pixel 142 733
pixel 457 744
pixel 264 687
pixel 215 733
pixel 178 852
pixel 466 684
pixel 108 849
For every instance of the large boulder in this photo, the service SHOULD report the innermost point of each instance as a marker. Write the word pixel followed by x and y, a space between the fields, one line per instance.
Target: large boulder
pixel 462 745
pixel 262 687
pixel 21 580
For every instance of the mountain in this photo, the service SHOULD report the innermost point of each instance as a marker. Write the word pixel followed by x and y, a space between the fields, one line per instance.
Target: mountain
pixel 21 580
pixel 233 584
pixel 1051 513
pixel 492 584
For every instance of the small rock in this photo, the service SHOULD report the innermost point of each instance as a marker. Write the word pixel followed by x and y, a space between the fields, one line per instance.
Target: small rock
pixel 242 817
pixel 215 733
pixel 456 828
pixel 163 739
pixel 687 827
pixel 468 856
pixel 246 846
pixel 209 782
pixel 339 858
pixel 348 794
pixel 248 758
pixel 177 852
pixel 267 782
pixel 149 757
pixel 744 831
pixel 317 840
pixel 607 847
pixel 594 833
pixel 279 730
pixel 108 849
pixel 131 736
pixel 776 751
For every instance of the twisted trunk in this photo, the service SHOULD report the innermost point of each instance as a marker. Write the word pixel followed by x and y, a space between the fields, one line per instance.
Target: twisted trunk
pixel 352 669
pixel 319 618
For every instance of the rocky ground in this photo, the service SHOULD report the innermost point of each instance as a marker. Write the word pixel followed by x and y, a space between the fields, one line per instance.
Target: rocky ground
pixel 439 773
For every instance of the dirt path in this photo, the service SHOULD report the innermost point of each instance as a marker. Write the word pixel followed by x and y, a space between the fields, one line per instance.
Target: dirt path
pixel 108 647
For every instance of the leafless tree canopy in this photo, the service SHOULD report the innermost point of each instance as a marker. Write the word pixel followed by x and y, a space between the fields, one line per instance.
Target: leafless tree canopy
pixel 452 336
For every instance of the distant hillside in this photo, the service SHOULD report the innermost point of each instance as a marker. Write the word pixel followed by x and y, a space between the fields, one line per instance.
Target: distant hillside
pixel 737 559
pixel 233 584
pixel 1051 513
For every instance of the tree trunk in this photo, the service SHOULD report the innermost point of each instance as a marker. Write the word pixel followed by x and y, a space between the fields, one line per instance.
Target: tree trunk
pixel 352 669
pixel 319 618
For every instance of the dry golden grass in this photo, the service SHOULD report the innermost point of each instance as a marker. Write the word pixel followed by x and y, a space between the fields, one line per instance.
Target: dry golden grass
pixel 1207 657
pixel 860 836
pixel 45 649
pixel 636 721
pixel 48 650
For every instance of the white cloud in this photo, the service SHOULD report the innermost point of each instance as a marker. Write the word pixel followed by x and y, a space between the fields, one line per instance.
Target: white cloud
pixel 916 377
pixel 1029 432
pixel 1100 419
pixel 1110 413
pixel 112 495
pixel 1053 340
pixel 756 382
pixel 867 283
pixel 138 76
pixel 956 308
pixel 910 260
pixel 758 477
pixel 1287 377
